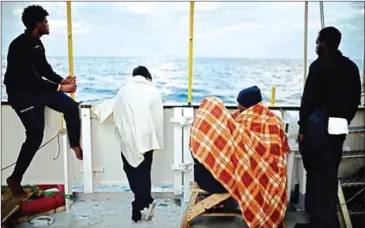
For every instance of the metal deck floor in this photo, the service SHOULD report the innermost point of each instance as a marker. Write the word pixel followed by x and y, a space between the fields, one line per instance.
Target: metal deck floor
pixel 115 212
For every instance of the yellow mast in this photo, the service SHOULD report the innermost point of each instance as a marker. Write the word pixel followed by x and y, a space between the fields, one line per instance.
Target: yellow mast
pixel 190 67
pixel 70 47
pixel 273 95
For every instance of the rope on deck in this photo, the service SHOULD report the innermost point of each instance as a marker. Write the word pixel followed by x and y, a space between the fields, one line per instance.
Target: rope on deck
pixel 42 221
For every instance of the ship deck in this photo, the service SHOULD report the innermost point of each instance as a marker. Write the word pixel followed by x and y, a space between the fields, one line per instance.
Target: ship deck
pixel 114 210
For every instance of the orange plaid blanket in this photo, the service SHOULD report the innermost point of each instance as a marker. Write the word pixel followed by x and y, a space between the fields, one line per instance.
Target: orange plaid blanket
pixel 246 153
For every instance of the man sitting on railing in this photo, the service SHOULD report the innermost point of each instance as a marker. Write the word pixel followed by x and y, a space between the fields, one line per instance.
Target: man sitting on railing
pixel 29 94
pixel 246 153
pixel 138 119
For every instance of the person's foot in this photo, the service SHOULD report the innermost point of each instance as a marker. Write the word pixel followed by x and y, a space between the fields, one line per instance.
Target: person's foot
pixel 149 212
pixel 78 152
pixel 136 215
pixel 15 187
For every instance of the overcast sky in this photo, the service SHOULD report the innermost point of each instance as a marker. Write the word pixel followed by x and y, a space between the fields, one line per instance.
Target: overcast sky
pixel 222 29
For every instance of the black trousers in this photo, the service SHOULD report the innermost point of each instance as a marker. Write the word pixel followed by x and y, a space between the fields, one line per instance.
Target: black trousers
pixel 205 179
pixel 30 109
pixel 139 179
pixel 321 155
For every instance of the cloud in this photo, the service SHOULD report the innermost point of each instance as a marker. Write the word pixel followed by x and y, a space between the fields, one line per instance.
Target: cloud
pixel 224 30
pixel 59 26
pixel 350 27
pixel 149 8
pixel 55 9
pixel 136 7
pixel 159 28
pixel 58 16
pixel 207 6
pixel 284 5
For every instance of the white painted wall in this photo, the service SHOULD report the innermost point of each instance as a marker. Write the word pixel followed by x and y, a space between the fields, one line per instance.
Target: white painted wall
pixel 105 154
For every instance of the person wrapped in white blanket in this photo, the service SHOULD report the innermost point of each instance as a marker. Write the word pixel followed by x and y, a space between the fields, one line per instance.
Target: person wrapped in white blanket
pixel 138 119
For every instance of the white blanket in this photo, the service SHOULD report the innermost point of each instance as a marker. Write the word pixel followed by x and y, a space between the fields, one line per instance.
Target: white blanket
pixel 138 119
pixel 104 110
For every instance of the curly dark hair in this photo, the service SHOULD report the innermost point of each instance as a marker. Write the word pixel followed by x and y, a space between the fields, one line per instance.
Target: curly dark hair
pixel 142 71
pixel 331 36
pixel 32 15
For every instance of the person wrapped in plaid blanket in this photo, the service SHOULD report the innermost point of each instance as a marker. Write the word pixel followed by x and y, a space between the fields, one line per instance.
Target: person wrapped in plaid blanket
pixel 245 151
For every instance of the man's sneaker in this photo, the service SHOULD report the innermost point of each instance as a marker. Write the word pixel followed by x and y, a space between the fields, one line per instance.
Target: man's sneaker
pixel 149 212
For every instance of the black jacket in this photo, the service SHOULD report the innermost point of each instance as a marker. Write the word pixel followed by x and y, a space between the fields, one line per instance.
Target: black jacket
pixel 26 65
pixel 333 84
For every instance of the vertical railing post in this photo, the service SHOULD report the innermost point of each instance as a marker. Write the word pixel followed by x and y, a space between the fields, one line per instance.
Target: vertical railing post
pixel 305 63
pixel 86 146
pixel 178 151
pixel 273 96
pixel 188 113
pixel 70 45
pixel 302 172
pixel 321 10
pixel 67 161
pixel 363 64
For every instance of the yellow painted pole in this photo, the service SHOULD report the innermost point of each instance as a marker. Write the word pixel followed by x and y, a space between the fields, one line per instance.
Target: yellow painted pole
pixel 273 95
pixel 70 49
pixel 190 67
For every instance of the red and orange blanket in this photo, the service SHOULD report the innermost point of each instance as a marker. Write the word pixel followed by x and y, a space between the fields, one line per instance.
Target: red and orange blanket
pixel 246 152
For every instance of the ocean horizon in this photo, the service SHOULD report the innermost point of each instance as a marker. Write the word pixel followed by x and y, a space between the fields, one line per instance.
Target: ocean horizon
pixel 99 78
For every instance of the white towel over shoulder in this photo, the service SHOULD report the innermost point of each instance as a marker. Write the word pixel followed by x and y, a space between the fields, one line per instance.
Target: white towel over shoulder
pixel 138 119
pixel 337 126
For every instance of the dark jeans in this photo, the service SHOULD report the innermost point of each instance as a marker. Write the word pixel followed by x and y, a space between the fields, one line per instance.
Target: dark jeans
pixel 205 179
pixel 30 109
pixel 321 155
pixel 139 179
pixel 208 183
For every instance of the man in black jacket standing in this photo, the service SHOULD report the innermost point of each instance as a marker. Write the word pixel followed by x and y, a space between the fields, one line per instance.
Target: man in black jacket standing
pixel 28 93
pixel 329 103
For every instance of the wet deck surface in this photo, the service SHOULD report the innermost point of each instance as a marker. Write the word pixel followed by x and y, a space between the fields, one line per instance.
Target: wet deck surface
pixel 110 212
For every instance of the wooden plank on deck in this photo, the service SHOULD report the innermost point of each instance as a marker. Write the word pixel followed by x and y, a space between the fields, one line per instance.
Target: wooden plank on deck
pixel 10 204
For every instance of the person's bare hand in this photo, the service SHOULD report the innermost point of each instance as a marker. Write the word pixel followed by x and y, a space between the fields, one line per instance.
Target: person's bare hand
pixel 68 88
pixel 69 80
pixel 300 137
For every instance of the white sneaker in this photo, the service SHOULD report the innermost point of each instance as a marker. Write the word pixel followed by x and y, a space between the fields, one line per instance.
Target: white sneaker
pixel 148 213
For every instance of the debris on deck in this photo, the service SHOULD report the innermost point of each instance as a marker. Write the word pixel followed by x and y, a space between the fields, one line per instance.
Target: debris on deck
pixel 113 211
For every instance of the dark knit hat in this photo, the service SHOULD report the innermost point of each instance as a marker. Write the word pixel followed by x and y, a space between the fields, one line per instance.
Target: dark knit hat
pixel 249 97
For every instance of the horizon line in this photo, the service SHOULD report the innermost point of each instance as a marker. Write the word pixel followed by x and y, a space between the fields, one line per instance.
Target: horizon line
pixel 177 57
pixel 187 58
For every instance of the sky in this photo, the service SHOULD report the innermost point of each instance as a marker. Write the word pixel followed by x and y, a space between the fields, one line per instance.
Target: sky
pixel 161 29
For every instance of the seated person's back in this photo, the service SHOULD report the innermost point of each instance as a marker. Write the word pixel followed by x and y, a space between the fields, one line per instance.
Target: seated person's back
pixel 245 152
pixel 246 98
